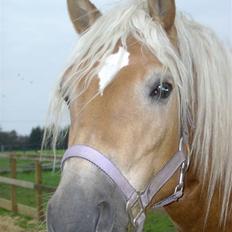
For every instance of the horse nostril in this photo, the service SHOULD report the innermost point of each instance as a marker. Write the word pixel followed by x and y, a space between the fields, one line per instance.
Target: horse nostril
pixel 105 218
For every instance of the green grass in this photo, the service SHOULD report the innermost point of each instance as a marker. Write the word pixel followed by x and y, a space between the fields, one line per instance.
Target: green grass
pixel 44 152
pixel 156 222
pixel 26 223
pixel 27 196
pixel 4 163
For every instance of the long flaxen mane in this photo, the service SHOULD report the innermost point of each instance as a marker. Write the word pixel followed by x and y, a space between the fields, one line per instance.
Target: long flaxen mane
pixel 200 66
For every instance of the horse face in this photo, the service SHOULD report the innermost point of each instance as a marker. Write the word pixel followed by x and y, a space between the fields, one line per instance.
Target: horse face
pixel 135 124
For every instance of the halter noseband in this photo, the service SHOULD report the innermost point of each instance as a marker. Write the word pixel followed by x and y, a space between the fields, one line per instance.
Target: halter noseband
pixel 136 202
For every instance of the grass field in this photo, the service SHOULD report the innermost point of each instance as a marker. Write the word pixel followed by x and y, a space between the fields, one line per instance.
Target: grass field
pixel 156 222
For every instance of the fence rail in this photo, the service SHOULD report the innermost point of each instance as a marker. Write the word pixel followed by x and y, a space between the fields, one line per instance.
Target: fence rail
pixel 32 157
pixel 13 182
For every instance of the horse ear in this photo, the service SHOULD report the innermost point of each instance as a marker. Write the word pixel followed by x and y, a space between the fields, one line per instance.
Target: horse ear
pixel 164 11
pixel 83 14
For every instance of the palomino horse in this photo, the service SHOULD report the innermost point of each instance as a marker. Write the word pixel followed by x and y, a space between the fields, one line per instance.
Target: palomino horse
pixel 148 89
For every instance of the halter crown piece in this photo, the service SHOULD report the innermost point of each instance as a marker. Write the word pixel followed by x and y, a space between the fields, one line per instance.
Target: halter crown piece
pixel 136 202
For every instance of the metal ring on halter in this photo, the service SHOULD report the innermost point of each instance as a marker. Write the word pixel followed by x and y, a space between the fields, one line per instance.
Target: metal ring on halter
pixel 135 208
pixel 183 169
pixel 181 144
pixel 181 148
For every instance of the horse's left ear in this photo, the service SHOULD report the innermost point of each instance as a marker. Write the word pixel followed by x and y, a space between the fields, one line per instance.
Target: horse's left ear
pixel 83 14
pixel 163 11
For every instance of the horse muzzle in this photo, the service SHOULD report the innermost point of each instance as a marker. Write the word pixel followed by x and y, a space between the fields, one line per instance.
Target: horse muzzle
pixel 86 201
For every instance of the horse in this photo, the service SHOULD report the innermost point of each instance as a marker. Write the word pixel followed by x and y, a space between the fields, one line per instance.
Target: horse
pixel 148 91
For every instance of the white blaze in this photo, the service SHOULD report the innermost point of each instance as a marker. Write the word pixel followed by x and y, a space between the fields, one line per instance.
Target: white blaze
pixel 111 67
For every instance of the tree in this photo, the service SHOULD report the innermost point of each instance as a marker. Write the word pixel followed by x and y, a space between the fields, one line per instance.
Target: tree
pixel 35 138
pixel 12 141
pixel 63 139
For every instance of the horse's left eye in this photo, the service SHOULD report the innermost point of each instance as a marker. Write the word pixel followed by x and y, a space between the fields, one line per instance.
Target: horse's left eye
pixel 161 91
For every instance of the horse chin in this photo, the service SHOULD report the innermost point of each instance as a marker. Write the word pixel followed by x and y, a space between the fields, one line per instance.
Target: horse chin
pixel 86 204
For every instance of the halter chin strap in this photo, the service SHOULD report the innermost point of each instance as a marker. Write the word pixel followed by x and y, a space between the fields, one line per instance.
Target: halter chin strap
pixel 136 202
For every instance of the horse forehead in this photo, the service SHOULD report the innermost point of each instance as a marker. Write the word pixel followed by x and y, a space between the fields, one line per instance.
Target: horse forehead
pixel 139 53
pixel 112 65
pixel 134 58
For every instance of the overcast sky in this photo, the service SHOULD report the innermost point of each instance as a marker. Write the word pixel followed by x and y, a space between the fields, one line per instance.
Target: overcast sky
pixel 36 39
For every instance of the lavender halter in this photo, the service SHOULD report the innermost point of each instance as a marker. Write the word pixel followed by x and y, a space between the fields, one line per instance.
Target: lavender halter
pixel 136 202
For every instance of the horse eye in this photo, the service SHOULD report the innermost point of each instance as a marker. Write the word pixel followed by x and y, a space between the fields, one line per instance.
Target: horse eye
pixel 66 99
pixel 161 91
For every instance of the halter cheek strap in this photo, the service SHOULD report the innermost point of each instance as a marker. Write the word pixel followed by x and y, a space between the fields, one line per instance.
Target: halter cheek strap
pixel 136 202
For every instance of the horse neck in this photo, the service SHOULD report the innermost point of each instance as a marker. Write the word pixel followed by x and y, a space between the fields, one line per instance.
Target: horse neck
pixel 189 214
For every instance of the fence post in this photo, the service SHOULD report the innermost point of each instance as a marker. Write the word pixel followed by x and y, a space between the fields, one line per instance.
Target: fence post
pixel 13 188
pixel 39 197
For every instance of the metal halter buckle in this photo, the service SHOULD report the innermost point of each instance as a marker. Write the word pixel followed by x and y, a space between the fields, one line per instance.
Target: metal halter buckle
pixel 135 208
pixel 183 171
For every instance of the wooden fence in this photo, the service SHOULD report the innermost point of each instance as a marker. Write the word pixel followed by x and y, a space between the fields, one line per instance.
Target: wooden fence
pixel 37 186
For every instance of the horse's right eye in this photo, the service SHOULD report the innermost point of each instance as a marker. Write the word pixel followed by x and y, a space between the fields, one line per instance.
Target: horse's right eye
pixel 161 91
pixel 67 99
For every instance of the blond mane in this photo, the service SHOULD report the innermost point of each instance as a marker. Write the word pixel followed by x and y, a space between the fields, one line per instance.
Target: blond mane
pixel 201 67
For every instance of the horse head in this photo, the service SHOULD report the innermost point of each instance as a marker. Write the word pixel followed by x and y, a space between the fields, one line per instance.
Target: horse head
pixel 131 97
